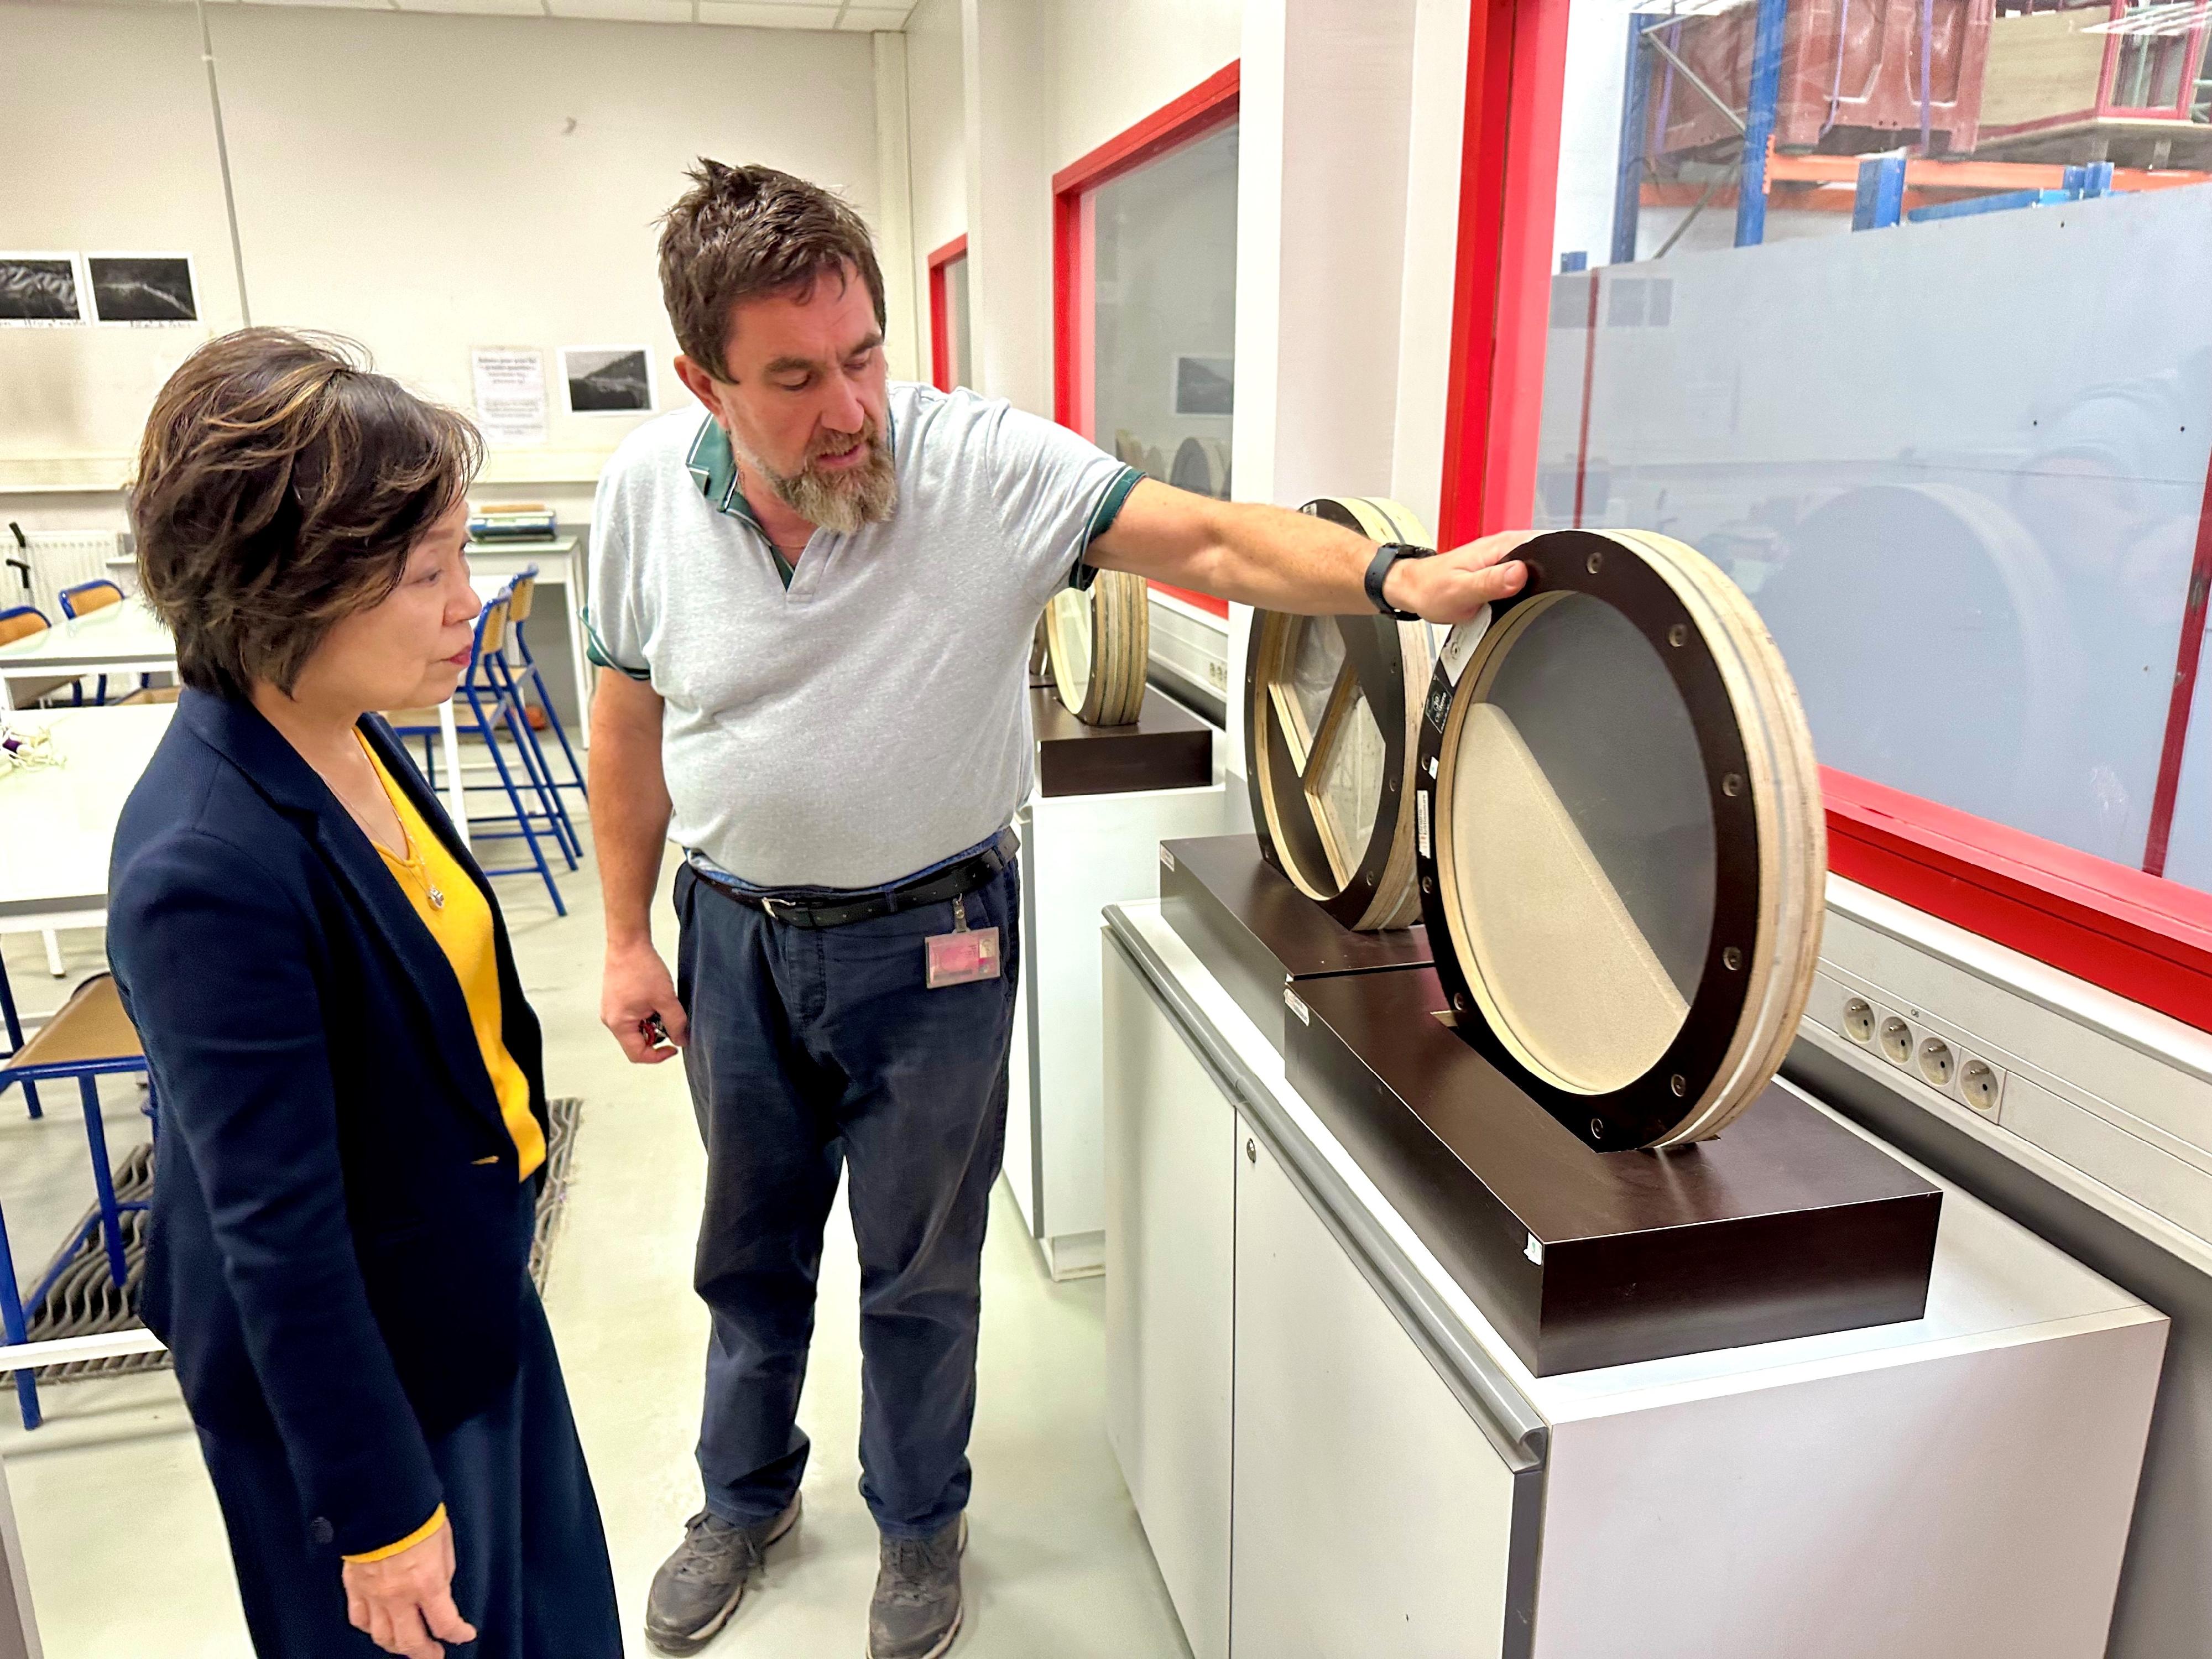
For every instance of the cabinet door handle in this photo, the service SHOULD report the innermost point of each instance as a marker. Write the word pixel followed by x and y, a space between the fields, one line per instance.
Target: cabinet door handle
pixel 1251 1149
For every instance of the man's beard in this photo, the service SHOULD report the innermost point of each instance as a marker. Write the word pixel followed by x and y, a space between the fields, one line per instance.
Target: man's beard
pixel 840 502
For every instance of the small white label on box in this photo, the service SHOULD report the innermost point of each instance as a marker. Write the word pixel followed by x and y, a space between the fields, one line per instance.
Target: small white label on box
pixel 1421 818
pixel 1291 1002
pixel 1533 1250
pixel 1167 858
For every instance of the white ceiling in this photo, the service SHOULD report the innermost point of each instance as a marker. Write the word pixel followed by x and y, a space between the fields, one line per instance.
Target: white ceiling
pixel 846 14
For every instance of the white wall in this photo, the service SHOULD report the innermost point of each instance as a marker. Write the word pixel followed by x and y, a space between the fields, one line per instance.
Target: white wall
pixel 937 143
pixel 422 183
pixel 1116 61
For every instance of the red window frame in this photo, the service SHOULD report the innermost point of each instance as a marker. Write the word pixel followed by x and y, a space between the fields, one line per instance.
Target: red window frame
pixel 940 314
pixel 2130 931
pixel 1210 104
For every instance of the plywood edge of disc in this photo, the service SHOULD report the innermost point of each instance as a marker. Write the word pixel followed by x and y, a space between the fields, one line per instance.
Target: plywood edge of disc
pixel 1120 641
pixel 1785 784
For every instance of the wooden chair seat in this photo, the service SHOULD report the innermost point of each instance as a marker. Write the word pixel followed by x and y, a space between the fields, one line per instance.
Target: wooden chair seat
pixel 89 1028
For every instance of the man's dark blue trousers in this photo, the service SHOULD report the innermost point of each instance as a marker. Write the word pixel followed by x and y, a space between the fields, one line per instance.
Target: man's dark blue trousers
pixel 814 1051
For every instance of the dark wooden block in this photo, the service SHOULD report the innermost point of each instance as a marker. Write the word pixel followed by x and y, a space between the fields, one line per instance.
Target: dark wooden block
pixel 1257 933
pixel 1168 748
pixel 1788 1225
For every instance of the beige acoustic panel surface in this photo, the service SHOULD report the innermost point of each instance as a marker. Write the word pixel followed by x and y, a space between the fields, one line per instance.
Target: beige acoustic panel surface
pixel 1570 980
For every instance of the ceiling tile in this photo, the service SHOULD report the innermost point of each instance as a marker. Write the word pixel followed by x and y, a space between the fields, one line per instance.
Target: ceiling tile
pixel 752 14
pixel 873 17
pixel 356 5
pixel 625 11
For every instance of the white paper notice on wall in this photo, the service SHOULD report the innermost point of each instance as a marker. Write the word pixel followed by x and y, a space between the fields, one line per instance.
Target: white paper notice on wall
pixel 510 394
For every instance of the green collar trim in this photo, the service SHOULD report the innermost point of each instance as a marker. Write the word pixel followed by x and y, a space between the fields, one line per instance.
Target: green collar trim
pixel 714 469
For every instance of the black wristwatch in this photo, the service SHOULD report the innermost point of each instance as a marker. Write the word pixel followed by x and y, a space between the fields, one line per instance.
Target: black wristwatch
pixel 1378 572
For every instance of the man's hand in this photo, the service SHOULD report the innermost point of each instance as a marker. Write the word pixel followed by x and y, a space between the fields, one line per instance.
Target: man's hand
pixel 405 1601
pixel 1454 586
pixel 634 991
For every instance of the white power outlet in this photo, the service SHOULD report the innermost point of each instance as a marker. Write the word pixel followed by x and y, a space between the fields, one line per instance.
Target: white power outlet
pixel 1906 1040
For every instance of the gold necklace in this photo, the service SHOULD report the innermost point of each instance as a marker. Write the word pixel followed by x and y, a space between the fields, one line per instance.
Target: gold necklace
pixel 410 862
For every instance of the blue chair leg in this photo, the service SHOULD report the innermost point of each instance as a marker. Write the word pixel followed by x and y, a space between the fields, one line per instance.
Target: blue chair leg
pixel 552 714
pixel 103 1181
pixel 533 762
pixel 514 798
pixel 13 1326
pixel 14 1028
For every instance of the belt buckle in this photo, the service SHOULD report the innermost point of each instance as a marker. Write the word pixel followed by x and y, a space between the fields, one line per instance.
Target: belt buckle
pixel 769 903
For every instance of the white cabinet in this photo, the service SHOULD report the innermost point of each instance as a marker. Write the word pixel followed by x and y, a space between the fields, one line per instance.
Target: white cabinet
pixel 1079 853
pixel 1371 1514
pixel 1334 1453
pixel 1171 1186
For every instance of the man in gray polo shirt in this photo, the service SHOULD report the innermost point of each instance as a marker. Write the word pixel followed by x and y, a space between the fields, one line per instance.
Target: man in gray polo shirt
pixel 810 604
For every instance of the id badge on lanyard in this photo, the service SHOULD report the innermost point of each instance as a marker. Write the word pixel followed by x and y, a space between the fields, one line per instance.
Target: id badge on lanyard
pixel 962 956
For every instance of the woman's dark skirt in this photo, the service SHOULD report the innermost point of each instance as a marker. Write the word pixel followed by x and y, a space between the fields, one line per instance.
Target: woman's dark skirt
pixel 531 1575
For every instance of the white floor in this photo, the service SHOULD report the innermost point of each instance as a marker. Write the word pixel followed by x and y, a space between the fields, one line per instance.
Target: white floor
pixel 126 1549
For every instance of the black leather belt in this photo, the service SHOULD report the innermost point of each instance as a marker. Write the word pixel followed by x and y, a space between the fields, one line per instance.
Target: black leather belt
pixel 832 910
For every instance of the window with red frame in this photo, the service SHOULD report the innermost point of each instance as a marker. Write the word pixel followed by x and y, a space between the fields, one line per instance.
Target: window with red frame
pixel 1796 291
pixel 1146 293
pixel 951 361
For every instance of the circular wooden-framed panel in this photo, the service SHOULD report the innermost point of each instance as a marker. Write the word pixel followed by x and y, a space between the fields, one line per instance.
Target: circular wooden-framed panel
pixel 1623 852
pixel 1331 708
pixel 1096 640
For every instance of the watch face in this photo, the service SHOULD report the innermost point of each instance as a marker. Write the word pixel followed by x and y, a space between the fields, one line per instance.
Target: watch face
pixel 1331 704
pixel 1624 874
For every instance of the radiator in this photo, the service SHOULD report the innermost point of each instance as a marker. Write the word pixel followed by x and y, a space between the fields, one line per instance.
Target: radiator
pixel 59 559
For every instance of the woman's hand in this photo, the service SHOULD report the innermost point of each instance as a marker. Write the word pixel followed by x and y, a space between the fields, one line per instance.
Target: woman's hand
pixel 405 1601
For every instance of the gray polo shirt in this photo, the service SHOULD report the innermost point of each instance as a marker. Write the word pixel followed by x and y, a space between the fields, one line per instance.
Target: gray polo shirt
pixel 871 718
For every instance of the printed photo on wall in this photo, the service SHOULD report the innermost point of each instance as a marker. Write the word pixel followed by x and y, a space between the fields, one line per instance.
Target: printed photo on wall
pixel 39 290
pixel 607 379
pixel 1205 386
pixel 143 289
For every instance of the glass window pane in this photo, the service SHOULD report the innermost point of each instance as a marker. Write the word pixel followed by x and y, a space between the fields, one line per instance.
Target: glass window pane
pixel 1163 314
pixel 956 318
pixel 1964 501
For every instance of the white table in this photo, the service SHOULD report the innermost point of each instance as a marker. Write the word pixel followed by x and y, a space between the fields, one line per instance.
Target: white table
pixel 57 823
pixel 129 639
pixel 555 561
pixel 117 641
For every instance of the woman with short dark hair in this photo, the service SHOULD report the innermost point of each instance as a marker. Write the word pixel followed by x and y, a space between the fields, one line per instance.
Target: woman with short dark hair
pixel 352 1109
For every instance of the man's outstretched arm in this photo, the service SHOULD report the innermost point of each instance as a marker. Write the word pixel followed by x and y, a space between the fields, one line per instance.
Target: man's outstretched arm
pixel 1280 560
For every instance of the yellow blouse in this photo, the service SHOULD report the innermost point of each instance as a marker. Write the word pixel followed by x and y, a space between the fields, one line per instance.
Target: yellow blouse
pixel 455 911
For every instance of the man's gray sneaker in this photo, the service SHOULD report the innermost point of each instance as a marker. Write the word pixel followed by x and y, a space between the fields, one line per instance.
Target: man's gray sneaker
pixel 699 1587
pixel 916 1612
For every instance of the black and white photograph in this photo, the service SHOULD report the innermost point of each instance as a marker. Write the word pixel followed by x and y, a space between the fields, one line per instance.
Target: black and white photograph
pixel 608 379
pixel 1205 386
pixel 38 290
pixel 140 289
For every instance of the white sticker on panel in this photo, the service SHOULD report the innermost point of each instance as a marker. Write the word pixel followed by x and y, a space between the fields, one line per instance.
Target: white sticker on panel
pixel 1460 645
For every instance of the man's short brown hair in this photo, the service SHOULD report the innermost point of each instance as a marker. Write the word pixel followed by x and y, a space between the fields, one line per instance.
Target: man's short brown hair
pixel 281 486
pixel 739 231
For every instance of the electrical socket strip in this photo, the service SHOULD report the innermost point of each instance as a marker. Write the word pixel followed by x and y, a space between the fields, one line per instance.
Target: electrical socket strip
pixel 1910 1041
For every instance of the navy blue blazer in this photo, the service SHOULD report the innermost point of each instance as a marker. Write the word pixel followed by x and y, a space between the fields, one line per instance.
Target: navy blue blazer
pixel 339 1239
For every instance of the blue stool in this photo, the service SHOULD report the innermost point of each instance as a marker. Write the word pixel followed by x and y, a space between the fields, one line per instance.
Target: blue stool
pixel 479 694
pixel 89 1037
